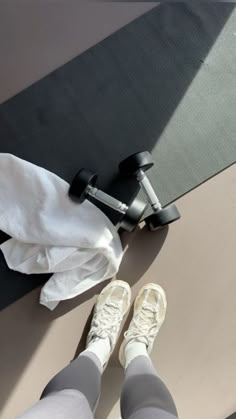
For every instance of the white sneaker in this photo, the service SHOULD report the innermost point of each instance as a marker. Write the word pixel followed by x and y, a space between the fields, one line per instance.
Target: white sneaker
pixel 149 314
pixel 111 306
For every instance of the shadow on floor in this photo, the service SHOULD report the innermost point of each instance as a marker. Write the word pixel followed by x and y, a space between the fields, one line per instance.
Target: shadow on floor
pixel 68 305
pixel 23 326
pixel 142 249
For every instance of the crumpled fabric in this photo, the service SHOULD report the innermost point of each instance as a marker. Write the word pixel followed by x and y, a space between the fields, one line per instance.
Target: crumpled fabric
pixel 52 234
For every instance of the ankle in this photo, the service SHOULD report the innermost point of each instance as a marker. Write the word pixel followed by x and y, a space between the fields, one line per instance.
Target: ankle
pixel 101 347
pixel 134 349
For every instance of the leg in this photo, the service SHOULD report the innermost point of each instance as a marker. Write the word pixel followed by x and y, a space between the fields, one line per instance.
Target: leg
pixel 76 389
pixel 144 395
pixel 83 374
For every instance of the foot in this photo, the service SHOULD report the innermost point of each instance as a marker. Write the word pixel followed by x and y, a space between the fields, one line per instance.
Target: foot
pixel 149 314
pixel 111 306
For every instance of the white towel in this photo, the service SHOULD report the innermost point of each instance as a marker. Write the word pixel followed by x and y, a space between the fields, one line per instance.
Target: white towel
pixel 50 233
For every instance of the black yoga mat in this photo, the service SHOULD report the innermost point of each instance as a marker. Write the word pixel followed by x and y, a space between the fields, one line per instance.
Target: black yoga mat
pixel 164 83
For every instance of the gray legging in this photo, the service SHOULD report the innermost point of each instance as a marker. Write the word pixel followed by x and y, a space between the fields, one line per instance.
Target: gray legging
pixel 74 392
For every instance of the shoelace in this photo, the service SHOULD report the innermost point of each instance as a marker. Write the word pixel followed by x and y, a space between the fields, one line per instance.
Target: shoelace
pixel 107 321
pixel 145 326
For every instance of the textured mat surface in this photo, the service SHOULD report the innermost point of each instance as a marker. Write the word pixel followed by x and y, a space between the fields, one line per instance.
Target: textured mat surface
pixel 165 83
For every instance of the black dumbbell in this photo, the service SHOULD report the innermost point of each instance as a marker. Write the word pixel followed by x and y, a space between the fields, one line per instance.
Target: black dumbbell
pixel 136 165
pixel 84 185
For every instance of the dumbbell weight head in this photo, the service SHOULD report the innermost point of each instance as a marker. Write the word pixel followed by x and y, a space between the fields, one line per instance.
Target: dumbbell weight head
pixel 79 191
pixel 79 186
pixel 138 161
pixel 133 215
pixel 166 215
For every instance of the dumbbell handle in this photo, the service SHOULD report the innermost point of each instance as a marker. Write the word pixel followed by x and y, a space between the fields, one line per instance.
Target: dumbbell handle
pixel 107 199
pixel 149 191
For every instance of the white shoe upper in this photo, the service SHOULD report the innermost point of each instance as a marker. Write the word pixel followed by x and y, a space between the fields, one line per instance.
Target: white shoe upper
pixel 111 306
pixel 149 314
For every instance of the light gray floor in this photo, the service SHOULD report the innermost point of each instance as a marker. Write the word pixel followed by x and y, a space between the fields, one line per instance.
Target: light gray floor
pixel 36 38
